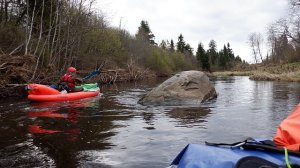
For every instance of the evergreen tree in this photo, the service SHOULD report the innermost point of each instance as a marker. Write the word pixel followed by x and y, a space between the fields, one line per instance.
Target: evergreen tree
pixel 231 57
pixel 230 52
pixel 172 47
pixel 144 33
pixel 163 44
pixel 224 57
pixel 238 59
pixel 212 52
pixel 180 44
pixel 167 45
pixel 202 57
pixel 189 49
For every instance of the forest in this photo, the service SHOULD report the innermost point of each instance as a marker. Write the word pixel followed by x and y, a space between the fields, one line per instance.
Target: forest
pixel 40 39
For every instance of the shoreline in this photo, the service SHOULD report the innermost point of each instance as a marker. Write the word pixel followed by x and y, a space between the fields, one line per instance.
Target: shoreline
pixel 262 76
pixel 283 72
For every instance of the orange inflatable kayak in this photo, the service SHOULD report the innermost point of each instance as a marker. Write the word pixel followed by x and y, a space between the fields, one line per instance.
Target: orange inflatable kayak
pixel 288 132
pixel 38 92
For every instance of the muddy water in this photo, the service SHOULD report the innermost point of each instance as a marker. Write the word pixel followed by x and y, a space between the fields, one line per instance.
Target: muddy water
pixel 112 130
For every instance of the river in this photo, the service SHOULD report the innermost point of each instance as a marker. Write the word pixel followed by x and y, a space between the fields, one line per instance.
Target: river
pixel 112 130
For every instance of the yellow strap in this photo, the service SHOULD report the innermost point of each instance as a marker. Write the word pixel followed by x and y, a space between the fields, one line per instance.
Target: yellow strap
pixel 286 156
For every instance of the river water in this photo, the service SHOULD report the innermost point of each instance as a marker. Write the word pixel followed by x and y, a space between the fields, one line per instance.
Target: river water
pixel 112 130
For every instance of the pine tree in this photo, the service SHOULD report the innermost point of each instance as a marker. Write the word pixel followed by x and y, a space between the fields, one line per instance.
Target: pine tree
pixel 202 57
pixel 172 47
pixel 238 59
pixel 231 57
pixel 144 33
pixel 212 52
pixel 230 52
pixel 224 57
pixel 180 44
pixel 189 49
pixel 163 44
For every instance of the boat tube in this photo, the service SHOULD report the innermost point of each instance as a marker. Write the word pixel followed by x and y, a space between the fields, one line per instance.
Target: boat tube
pixel 39 92
pixel 239 155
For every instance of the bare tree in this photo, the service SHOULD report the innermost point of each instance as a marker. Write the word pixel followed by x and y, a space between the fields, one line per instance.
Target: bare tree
pixel 259 41
pixel 41 28
pixel 272 42
pixel 256 41
pixel 29 31
pixel 295 21
pixel 284 35
pixel 295 3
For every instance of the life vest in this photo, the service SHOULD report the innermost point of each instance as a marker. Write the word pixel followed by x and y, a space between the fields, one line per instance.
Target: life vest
pixel 67 78
pixel 288 132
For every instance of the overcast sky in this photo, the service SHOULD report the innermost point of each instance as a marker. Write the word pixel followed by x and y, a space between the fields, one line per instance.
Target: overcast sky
pixel 197 20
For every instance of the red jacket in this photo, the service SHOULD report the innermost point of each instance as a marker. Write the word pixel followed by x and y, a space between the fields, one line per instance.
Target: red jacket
pixel 67 78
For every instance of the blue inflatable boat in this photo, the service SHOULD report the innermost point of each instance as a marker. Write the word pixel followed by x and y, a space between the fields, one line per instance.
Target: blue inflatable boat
pixel 247 154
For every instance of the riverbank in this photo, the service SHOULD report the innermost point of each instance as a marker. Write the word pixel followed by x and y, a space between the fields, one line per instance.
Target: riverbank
pixel 284 72
pixel 17 71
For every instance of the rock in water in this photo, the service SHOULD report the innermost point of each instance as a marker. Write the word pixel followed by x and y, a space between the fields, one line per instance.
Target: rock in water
pixel 187 87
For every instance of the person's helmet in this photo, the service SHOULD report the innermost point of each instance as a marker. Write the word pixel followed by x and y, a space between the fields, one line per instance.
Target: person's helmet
pixel 71 69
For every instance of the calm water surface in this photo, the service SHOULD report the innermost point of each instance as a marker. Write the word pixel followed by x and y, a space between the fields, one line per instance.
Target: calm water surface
pixel 112 130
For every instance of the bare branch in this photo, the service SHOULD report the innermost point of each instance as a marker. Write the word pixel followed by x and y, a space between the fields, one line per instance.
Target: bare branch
pixel 16 49
pixel 2 65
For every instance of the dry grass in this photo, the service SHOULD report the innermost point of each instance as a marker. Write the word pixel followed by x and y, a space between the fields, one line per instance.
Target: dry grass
pixel 233 73
pixel 282 72
pixel 289 76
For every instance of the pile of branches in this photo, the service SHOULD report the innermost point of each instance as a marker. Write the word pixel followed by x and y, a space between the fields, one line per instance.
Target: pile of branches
pixel 128 74
pixel 16 69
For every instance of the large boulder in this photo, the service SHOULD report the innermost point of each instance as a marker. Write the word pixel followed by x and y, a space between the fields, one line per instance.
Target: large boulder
pixel 187 87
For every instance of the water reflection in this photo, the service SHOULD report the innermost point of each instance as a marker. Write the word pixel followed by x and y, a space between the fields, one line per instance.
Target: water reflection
pixel 71 116
pixel 149 118
pixel 63 128
pixel 189 117
pixel 40 113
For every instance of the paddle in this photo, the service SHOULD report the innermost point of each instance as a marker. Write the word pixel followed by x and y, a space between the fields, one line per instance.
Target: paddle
pixel 94 73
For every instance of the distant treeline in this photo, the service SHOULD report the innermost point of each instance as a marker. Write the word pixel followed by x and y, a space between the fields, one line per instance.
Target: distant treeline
pixel 61 33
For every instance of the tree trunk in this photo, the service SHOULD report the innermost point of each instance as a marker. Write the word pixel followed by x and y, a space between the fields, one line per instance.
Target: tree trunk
pixel 55 31
pixel 41 28
pixel 31 26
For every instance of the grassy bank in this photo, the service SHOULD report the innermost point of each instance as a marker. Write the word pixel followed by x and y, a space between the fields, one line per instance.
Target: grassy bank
pixel 233 73
pixel 285 76
pixel 282 72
